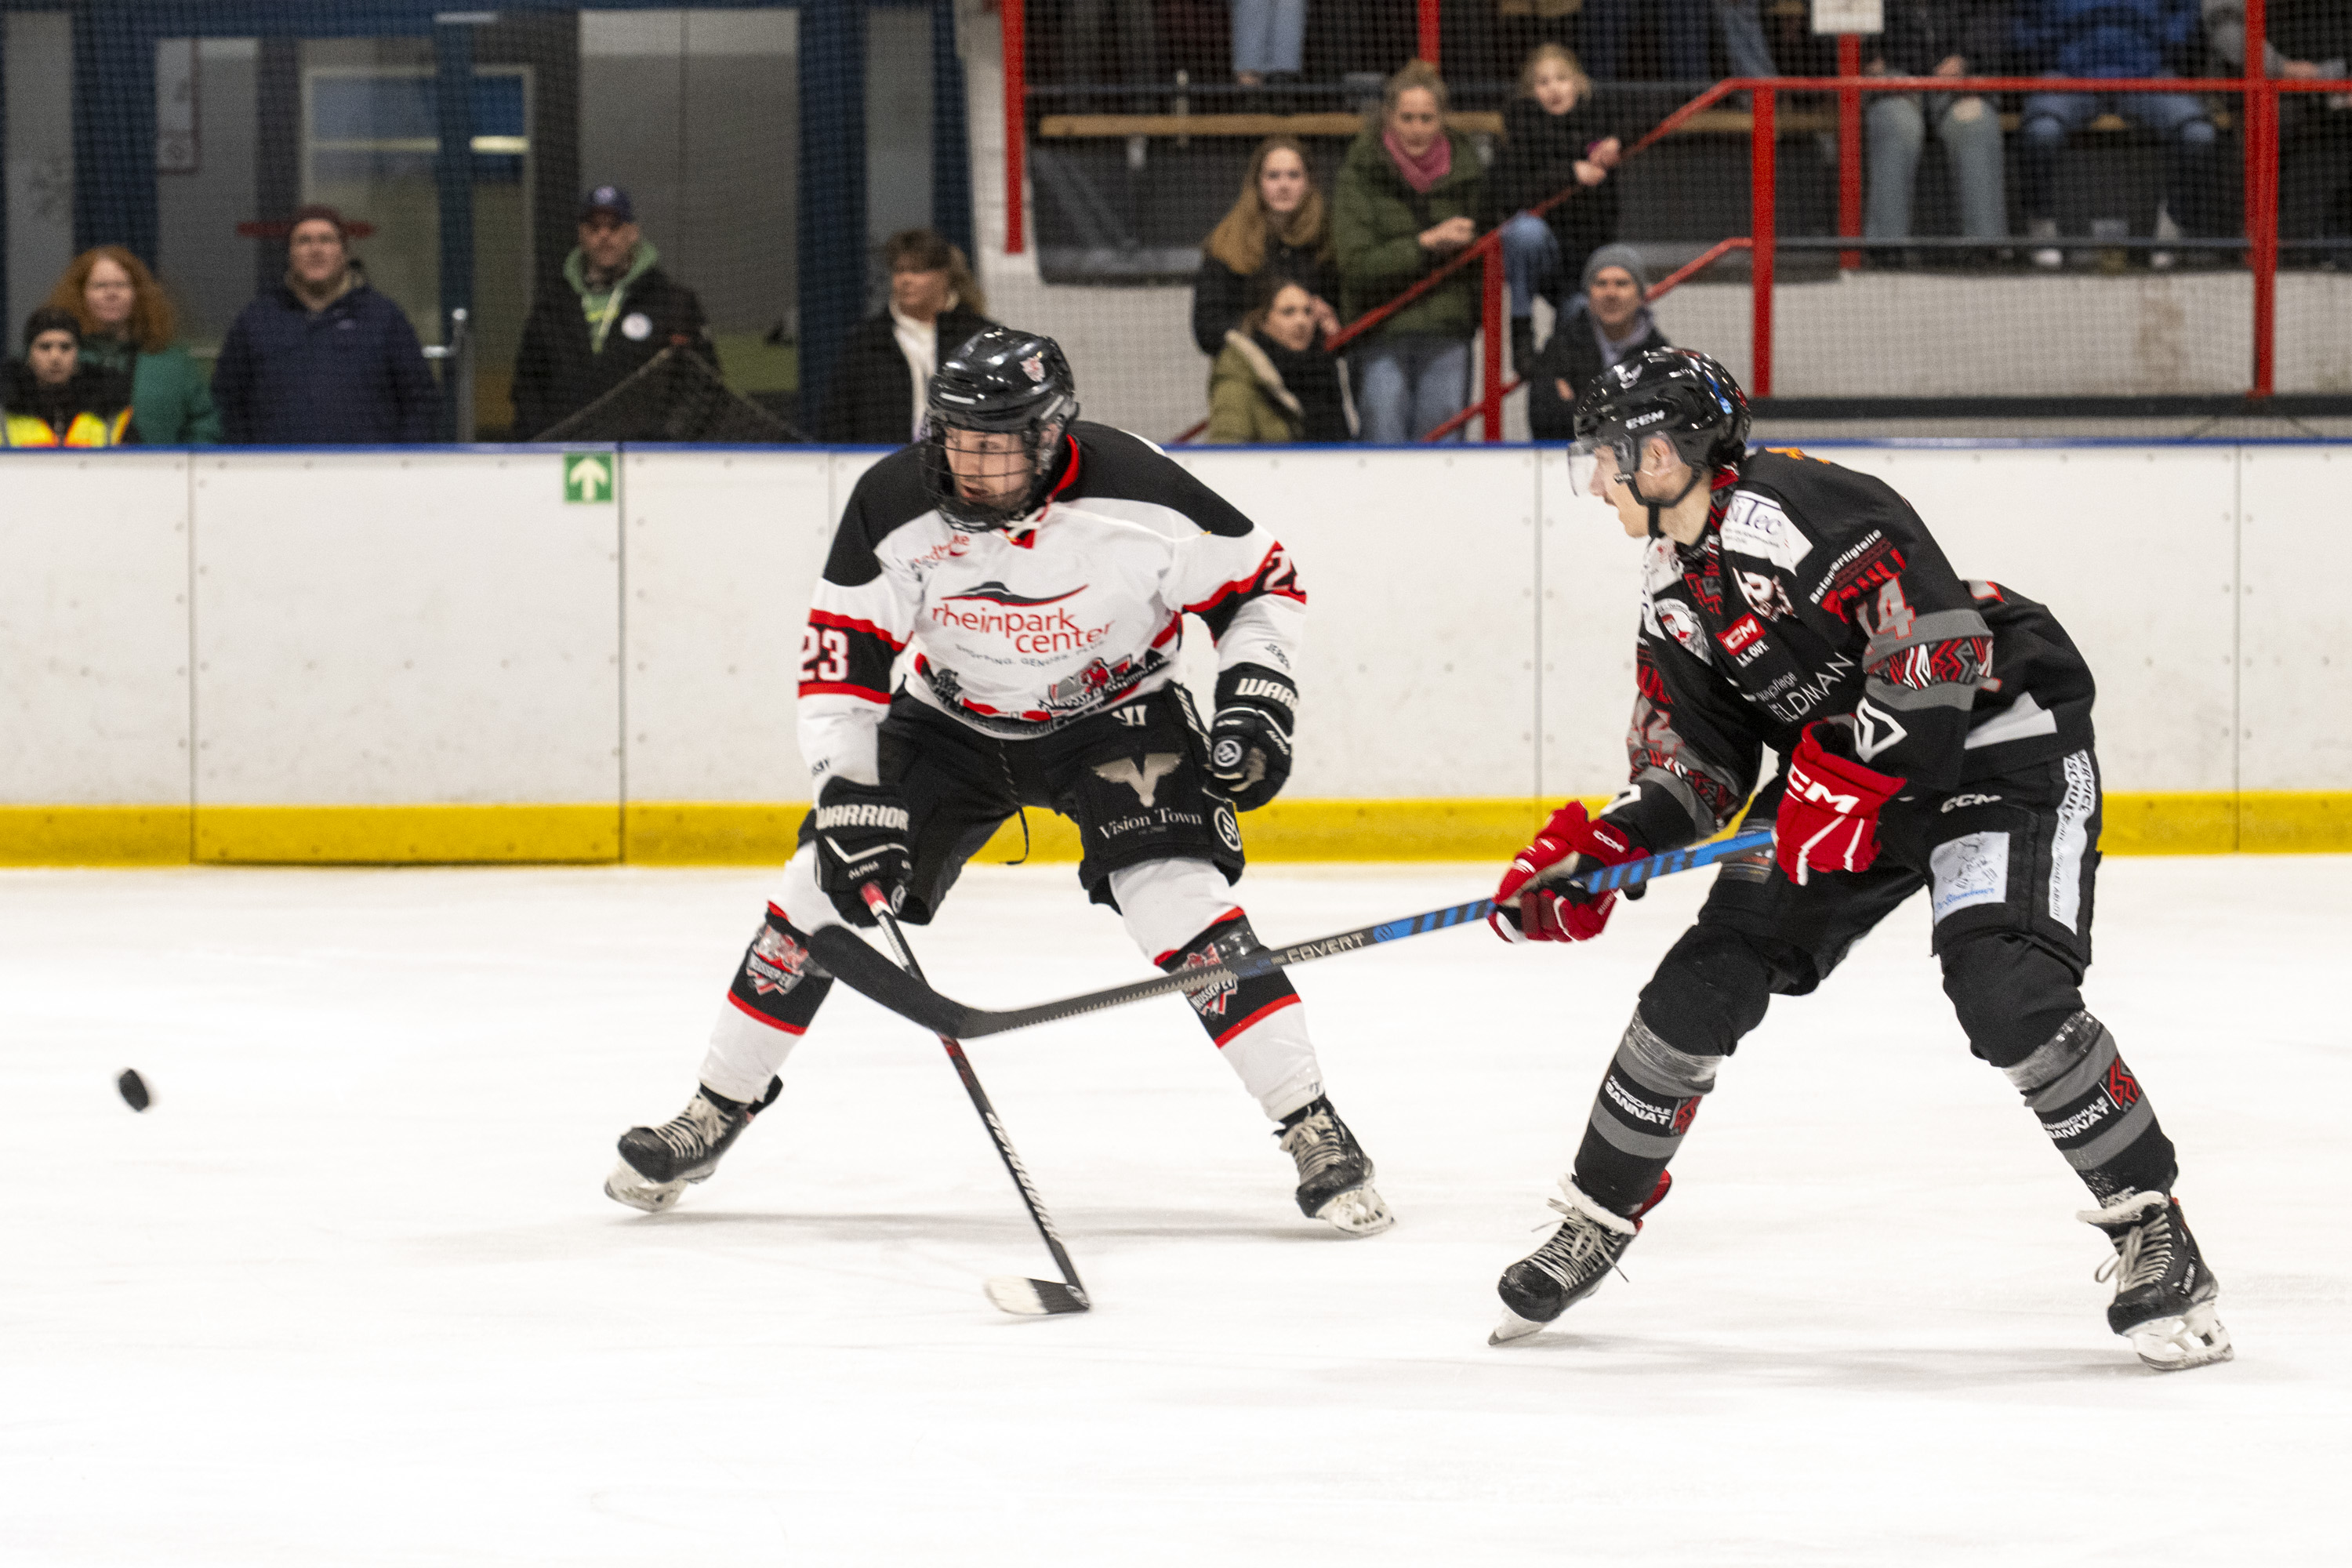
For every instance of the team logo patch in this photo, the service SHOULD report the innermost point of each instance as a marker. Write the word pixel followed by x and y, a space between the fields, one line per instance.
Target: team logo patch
pixel 1969 870
pixel 1229 830
pixel 1143 779
pixel 1209 1003
pixel 1036 366
pixel 776 962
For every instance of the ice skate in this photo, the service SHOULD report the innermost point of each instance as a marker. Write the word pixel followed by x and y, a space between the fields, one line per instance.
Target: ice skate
pixel 657 1163
pixel 2164 1293
pixel 1572 1265
pixel 1334 1175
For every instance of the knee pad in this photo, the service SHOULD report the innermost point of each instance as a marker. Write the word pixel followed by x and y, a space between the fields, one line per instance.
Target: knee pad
pixel 1711 989
pixel 2012 993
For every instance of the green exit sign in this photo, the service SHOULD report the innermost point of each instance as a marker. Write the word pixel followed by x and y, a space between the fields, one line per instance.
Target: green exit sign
pixel 588 477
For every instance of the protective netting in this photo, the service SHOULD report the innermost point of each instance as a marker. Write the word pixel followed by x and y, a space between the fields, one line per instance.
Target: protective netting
pixel 2139 228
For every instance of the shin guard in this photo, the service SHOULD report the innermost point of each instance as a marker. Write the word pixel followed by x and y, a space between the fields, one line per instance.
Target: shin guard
pixel 2094 1112
pixel 1647 1099
pixel 1257 1023
pixel 775 995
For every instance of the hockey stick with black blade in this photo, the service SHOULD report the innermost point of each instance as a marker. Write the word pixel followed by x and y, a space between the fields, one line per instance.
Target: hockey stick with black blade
pixel 905 992
pixel 1014 1293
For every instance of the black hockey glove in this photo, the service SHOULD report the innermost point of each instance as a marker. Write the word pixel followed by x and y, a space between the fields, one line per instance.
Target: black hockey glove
pixel 861 838
pixel 1249 744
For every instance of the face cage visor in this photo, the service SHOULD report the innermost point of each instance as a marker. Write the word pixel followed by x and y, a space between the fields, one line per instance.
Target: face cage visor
pixel 1026 462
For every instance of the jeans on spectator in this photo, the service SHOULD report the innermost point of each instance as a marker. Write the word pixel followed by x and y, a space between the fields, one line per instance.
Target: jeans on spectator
pixel 2049 118
pixel 1971 132
pixel 1682 37
pixel 1408 384
pixel 1530 263
pixel 1269 36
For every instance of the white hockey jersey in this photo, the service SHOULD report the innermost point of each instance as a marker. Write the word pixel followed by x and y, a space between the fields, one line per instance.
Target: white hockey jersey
pixel 1016 633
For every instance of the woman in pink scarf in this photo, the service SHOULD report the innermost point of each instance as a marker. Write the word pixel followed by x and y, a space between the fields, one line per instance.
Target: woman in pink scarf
pixel 1411 194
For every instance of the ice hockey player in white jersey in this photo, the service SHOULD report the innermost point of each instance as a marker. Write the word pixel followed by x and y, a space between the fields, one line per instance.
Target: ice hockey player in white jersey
pixel 1038 569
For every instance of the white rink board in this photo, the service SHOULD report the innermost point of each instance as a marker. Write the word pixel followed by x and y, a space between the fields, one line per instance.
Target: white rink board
pixel 723 550
pixel 387 627
pixel 2294 659
pixel 2132 548
pixel 384 629
pixel 1418 674
pixel 94 628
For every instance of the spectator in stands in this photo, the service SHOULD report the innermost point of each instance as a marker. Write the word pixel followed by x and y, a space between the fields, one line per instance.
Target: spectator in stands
pixel 883 374
pixel 1269 40
pixel 1410 196
pixel 54 400
pixel 126 326
pixel 617 310
pixel 323 359
pixel 1682 51
pixel 1553 139
pixel 1607 323
pixel 1278 228
pixel 2113 38
pixel 1937 37
pixel 1274 381
pixel 2304 40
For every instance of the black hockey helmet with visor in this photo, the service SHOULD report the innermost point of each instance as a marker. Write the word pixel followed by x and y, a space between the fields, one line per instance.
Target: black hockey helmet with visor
pixel 998 382
pixel 1679 396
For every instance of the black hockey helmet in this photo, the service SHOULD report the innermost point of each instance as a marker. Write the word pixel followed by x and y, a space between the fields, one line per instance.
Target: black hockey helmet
pixel 1680 394
pixel 1000 381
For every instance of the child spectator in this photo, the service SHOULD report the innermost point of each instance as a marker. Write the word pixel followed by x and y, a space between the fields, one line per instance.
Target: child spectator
pixel 1410 196
pixel 324 360
pixel 2113 38
pixel 1937 37
pixel 1554 138
pixel 1609 322
pixel 883 377
pixel 1278 228
pixel 126 326
pixel 1274 381
pixel 54 400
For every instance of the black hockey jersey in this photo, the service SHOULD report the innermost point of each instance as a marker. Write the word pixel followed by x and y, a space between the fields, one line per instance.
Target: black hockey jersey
pixel 1016 632
pixel 1816 594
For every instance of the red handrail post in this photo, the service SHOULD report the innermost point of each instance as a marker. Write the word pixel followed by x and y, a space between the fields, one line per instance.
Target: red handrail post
pixel 1849 146
pixel 1490 324
pixel 1763 227
pixel 1014 41
pixel 2262 114
pixel 1425 39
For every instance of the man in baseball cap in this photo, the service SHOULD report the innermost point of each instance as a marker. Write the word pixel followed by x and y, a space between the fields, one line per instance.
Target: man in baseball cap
pixel 618 311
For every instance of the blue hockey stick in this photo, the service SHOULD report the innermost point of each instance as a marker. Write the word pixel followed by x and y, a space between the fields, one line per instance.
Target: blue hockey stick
pixel 869 973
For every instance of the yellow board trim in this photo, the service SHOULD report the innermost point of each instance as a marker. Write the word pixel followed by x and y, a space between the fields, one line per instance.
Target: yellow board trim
pixel 724 833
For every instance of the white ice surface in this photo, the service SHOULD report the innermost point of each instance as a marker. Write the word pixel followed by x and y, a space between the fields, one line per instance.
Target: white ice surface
pixel 350 1294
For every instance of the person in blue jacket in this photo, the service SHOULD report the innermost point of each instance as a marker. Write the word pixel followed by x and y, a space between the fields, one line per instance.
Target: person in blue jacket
pixel 2116 39
pixel 324 360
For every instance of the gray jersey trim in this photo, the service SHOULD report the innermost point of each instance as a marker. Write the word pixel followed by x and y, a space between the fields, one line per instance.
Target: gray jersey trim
pixel 1945 694
pixel 1936 626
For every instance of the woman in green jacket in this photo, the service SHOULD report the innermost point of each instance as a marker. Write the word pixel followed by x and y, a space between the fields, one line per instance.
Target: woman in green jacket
pixel 1273 381
pixel 126 326
pixel 1411 194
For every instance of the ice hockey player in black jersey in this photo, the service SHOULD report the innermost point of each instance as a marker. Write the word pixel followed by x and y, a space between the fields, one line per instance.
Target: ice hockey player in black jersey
pixel 1038 569
pixel 1934 734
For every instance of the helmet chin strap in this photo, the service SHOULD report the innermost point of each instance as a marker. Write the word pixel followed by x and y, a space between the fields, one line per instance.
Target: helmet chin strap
pixel 1633 483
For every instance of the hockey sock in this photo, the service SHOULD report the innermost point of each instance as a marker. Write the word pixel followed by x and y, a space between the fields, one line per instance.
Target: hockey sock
pixel 1647 1099
pixel 2094 1110
pixel 776 991
pixel 1258 1024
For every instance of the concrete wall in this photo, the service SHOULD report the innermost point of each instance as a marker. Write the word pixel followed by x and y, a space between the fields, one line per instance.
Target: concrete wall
pixel 349 631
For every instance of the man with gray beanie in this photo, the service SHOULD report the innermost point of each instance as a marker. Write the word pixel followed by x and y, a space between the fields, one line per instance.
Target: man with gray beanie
pixel 1607 321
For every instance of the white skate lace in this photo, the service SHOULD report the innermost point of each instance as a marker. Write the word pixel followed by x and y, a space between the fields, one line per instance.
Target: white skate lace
pixel 1316 1144
pixel 691 1133
pixel 1579 1241
pixel 2143 1254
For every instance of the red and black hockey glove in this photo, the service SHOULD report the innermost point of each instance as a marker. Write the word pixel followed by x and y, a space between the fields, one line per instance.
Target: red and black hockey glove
pixel 1527 911
pixel 1829 815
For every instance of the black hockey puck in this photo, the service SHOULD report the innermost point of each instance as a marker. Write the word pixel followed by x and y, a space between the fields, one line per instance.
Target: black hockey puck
pixel 134 1090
